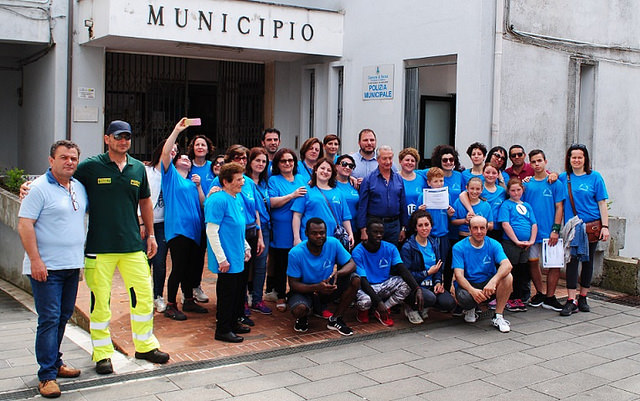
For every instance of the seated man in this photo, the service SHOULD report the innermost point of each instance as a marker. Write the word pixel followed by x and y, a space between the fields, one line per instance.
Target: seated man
pixel 385 280
pixel 320 270
pixel 474 263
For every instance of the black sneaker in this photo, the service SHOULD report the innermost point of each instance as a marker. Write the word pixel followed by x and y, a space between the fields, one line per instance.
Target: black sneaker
pixel 172 312
pixel 104 366
pixel 551 303
pixel 537 300
pixel 301 325
pixel 246 320
pixel 336 323
pixel 569 308
pixel 155 356
pixel 583 306
pixel 457 311
pixel 190 305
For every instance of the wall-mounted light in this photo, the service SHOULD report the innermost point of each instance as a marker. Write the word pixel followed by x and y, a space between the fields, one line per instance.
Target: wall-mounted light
pixel 88 23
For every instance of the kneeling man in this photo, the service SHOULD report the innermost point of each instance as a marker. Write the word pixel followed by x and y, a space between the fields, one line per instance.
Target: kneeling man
pixel 474 262
pixel 320 270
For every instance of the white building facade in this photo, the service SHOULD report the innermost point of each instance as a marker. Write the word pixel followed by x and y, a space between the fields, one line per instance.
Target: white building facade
pixel 540 74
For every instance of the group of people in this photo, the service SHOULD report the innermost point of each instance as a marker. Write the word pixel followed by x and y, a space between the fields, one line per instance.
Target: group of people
pixel 313 232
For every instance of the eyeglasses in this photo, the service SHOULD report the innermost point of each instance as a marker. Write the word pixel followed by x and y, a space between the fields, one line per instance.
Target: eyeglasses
pixel 285 161
pixel 122 135
pixel 74 200
pixel 347 165
pixel 514 155
pixel 498 156
pixel 239 157
pixel 218 163
pixel 448 160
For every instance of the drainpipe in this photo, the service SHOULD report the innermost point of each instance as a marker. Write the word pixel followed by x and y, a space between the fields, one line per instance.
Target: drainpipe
pixel 69 67
pixel 497 73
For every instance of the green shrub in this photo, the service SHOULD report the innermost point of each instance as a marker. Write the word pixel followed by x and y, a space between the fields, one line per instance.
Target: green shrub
pixel 14 179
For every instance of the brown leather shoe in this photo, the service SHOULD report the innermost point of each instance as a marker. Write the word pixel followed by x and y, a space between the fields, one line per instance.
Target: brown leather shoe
pixel 49 389
pixel 67 372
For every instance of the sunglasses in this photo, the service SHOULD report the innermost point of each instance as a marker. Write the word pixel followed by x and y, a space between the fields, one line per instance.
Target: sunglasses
pixel 578 146
pixel 240 158
pixel 347 165
pixel 285 161
pixel 448 160
pixel 218 163
pixel 519 154
pixel 498 156
pixel 122 135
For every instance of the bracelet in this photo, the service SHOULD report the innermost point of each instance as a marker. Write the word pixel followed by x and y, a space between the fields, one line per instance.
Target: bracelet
pixel 556 228
pixel 604 226
pixel 152 236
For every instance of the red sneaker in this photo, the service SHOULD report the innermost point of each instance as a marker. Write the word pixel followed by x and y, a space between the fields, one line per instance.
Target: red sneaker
pixel 387 322
pixel 363 316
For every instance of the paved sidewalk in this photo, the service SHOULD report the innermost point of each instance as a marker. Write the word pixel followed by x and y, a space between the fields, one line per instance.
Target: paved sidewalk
pixel 546 357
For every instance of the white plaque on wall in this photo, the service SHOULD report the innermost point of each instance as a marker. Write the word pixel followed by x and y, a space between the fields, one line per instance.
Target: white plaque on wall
pixel 377 82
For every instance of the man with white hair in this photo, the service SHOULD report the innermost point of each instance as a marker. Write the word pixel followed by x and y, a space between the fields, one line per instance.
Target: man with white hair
pixel 382 196
pixel 474 264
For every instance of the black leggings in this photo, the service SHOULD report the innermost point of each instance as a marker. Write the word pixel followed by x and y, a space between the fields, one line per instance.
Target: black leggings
pixel 280 259
pixel 587 270
pixel 184 265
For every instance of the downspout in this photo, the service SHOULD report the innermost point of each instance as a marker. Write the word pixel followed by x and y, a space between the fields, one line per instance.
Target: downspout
pixel 497 73
pixel 69 66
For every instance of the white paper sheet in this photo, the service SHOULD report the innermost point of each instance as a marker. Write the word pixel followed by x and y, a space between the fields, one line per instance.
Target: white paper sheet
pixel 552 256
pixel 436 198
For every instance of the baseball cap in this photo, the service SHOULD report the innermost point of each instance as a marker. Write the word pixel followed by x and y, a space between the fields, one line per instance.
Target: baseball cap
pixel 117 127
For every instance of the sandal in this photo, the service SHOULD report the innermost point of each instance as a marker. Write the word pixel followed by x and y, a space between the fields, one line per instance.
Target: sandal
pixel 281 306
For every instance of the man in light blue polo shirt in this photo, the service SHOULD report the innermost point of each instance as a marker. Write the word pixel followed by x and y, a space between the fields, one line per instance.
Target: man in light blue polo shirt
pixel 51 227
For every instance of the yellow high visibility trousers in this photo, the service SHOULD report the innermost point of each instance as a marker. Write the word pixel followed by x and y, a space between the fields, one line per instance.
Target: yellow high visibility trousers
pixel 134 270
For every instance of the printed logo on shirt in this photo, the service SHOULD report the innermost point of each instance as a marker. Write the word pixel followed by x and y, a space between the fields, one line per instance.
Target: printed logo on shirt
pixel 486 260
pixel 522 209
pixel 547 192
pixel 327 264
pixel 584 187
pixel 104 180
pixel 135 183
pixel 384 264
pixel 411 208
pixel 335 199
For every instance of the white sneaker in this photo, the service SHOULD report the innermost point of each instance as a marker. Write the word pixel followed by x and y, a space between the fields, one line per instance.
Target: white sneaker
pixel 470 315
pixel 424 314
pixel 503 325
pixel 160 304
pixel 412 315
pixel 199 295
pixel 270 297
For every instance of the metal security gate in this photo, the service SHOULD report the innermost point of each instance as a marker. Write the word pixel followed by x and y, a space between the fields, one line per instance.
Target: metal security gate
pixel 153 92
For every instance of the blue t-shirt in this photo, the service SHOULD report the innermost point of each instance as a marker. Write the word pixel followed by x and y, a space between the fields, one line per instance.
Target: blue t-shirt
pixel 429 257
pixel 314 204
pixel 226 211
pixel 312 269
pixel 182 210
pixel 262 203
pixel 376 267
pixel 467 175
pixel 281 217
pixel 479 264
pixel 440 220
pixel 588 190
pixel 249 197
pixel 520 216
pixel 481 209
pixel 206 175
pixel 543 197
pixel 494 199
pixel 304 171
pixel 454 182
pixel 412 191
pixel 59 225
pixel 352 197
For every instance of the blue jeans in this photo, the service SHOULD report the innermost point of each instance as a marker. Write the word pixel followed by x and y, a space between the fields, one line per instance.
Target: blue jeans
pixel 392 231
pixel 55 300
pixel 159 261
pixel 260 268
